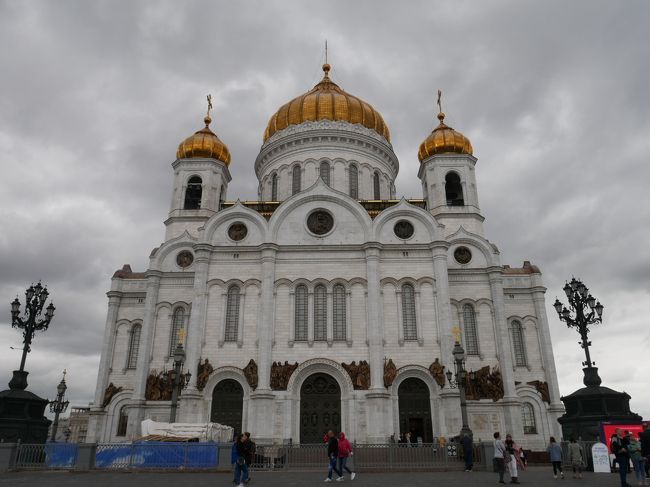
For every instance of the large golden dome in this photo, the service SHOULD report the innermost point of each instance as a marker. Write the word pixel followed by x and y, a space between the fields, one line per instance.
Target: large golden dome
pixel 444 140
pixel 204 144
pixel 326 101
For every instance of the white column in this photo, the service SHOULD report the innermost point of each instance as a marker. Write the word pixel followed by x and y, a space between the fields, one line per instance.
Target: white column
pixel 440 271
pixel 114 298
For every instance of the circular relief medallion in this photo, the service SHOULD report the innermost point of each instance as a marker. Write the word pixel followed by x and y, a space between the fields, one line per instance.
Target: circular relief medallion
pixel 462 255
pixel 404 229
pixel 320 222
pixel 237 231
pixel 184 259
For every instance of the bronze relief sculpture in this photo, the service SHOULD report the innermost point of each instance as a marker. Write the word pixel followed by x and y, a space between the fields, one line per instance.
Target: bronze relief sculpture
pixel 390 372
pixel 359 374
pixel 542 388
pixel 250 372
pixel 203 372
pixel 280 375
pixel 110 391
pixel 159 386
pixel 437 371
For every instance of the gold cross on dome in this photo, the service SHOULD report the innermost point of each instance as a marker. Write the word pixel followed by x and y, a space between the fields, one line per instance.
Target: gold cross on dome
pixel 456 332
pixel 439 102
pixel 181 335
pixel 209 97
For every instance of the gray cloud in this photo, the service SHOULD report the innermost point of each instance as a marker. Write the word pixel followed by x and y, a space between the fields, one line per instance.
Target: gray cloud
pixel 95 97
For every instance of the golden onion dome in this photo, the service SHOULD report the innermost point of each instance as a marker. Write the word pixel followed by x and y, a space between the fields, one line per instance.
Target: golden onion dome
pixel 326 101
pixel 204 144
pixel 444 140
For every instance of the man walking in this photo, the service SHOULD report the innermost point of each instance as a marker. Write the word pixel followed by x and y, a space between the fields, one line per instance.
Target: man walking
pixel 333 456
pixel 499 453
pixel 244 459
pixel 619 447
pixel 468 453
pixel 645 447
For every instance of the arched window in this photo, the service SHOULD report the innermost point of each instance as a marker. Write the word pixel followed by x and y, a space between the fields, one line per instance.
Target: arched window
pixel 408 312
pixel 122 422
pixel 274 187
pixel 320 313
pixel 453 190
pixel 471 334
pixel 295 181
pixel 193 194
pixel 325 172
pixel 134 346
pixel 178 324
pixel 340 312
pixel 222 197
pixel 354 182
pixel 301 313
pixel 375 185
pixel 232 314
pixel 528 419
pixel 518 344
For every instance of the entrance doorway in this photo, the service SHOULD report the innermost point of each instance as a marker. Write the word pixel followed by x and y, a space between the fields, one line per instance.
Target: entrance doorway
pixel 320 407
pixel 227 404
pixel 415 409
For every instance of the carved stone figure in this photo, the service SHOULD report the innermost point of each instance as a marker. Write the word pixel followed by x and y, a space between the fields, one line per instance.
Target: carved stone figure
pixel 437 371
pixel 542 388
pixel 390 371
pixel 488 385
pixel 159 386
pixel 203 372
pixel 250 372
pixel 280 375
pixel 359 374
pixel 110 391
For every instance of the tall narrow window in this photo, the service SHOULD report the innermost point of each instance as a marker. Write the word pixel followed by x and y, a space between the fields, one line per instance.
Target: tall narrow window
pixel 528 419
pixel 178 324
pixel 354 182
pixel 408 312
pixel 320 313
pixel 375 185
pixel 222 197
pixel 325 172
pixel 301 313
pixel 340 312
pixel 518 344
pixel 122 422
pixel 274 187
pixel 232 314
pixel 134 345
pixel 453 190
pixel 471 334
pixel 193 194
pixel 295 180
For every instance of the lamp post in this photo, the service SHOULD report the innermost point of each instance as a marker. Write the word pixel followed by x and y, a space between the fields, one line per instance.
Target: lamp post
pixel 179 380
pixel 58 406
pixel 457 381
pixel 584 310
pixel 35 297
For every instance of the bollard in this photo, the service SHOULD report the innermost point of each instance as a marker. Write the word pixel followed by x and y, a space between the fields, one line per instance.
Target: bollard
pixel 8 456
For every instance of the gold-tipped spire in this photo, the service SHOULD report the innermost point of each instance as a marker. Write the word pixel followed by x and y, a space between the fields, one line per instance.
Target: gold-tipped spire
pixel 207 118
pixel 441 114
pixel 204 143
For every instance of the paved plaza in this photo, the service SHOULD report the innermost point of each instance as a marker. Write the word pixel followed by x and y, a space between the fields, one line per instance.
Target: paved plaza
pixel 536 476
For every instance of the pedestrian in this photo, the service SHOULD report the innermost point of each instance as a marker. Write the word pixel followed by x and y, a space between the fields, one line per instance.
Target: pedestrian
pixel 619 445
pixel 332 455
pixel 638 460
pixel 468 451
pixel 645 447
pixel 555 453
pixel 244 458
pixel 576 457
pixel 345 452
pixel 513 450
pixel 233 458
pixel 407 438
pixel 499 458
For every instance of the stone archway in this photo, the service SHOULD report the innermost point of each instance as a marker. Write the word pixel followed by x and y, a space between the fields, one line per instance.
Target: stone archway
pixel 414 404
pixel 320 407
pixel 227 404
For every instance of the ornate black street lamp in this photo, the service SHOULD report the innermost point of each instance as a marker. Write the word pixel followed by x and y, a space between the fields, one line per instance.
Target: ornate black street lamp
pixel 584 310
pixel 58 406
pixel 180 381
pixel 457 380
pixel 35 297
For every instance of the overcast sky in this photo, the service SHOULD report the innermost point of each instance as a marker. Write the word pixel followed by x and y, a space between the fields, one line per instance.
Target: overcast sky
pixel 95 97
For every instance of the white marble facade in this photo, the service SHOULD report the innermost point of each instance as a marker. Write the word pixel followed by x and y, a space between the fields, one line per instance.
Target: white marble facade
pixel 362 265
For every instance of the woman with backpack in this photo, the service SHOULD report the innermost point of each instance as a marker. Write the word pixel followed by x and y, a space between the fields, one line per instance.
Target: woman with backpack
pixel 345 451
pixel 555 452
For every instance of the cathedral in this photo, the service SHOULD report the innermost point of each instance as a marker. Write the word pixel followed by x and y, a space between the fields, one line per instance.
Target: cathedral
pixel 327 303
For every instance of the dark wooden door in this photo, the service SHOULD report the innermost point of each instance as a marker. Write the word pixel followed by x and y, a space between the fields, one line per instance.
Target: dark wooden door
pixel 415 409
pixel 227 404
pixel 320 408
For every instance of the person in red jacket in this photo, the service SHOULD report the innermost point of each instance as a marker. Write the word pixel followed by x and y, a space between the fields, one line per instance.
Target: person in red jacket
pixel 345 451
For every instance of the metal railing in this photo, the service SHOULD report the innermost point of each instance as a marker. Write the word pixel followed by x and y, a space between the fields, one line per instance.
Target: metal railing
pixel 46 456
pixel 145 455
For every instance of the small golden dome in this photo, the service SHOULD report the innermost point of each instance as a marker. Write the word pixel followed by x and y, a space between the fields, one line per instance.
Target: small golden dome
pixel 326 101
pixel 204 144
pixel 444 140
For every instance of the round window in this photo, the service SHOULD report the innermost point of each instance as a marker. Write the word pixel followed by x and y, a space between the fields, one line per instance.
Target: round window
pixel 462 255
pixel 237 231
pixel 404 229
pixel 184 259
pixel 320 222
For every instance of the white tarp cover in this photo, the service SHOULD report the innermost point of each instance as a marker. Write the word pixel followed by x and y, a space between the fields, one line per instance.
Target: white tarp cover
pixel 203 431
